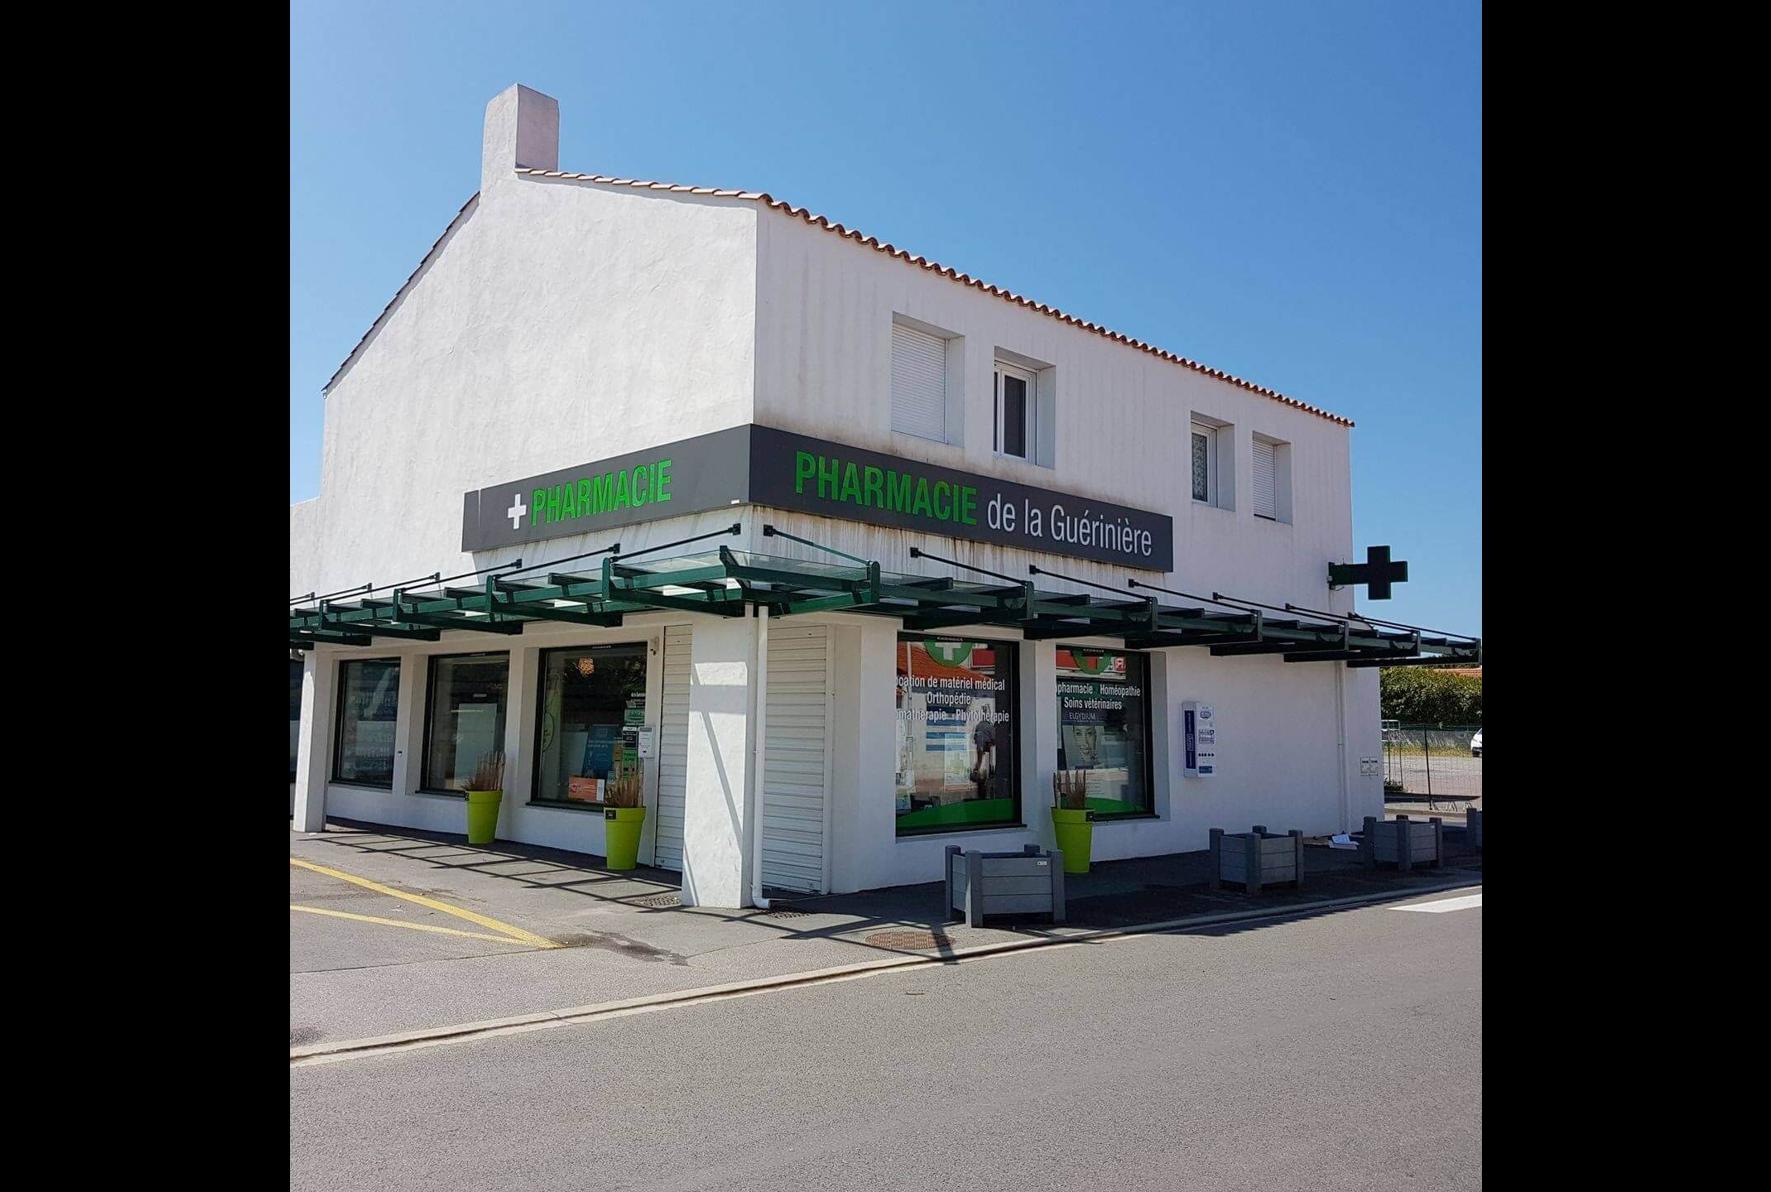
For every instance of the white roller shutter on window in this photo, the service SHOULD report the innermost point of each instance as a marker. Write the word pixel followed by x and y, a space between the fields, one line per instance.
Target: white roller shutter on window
pixel 1266 497
pixel 673 749
pixel 796 758
pixel 919 383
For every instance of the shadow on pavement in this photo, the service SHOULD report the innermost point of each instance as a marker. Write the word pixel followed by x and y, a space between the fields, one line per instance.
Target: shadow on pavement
pixel 911 920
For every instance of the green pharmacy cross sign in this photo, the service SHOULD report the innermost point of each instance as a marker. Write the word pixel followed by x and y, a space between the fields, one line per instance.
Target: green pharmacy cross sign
pixel 1377 572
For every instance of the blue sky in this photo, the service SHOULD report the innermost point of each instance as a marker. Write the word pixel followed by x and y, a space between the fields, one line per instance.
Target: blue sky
pixel 1287 191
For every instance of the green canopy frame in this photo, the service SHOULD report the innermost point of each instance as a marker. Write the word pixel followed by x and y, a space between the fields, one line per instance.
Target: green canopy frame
pixel 721 582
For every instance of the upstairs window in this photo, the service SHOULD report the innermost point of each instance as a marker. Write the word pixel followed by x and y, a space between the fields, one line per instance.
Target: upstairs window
pixel 1014 431
pixel 1272 479
pixel 1266 473
pixel 919 383
pixel 1205 463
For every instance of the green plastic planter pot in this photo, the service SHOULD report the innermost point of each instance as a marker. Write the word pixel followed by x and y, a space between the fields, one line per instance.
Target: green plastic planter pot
pixel 1076 836
pixel 621 833
pixel 482 816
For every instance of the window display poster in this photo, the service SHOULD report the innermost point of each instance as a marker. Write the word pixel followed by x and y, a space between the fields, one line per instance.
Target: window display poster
pixel 1103 718
pixel 955 734
pixel 599 750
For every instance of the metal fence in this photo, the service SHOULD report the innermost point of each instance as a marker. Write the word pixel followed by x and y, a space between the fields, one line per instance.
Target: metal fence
pixel 1432 761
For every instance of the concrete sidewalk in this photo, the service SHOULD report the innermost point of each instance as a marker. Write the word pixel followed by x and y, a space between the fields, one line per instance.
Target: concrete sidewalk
pixel 357 974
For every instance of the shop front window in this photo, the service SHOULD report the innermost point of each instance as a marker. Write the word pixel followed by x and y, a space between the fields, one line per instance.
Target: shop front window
pixel 465 723
pixel 368 706
pixel 958 729
pixel 593 703
pixel 1104 726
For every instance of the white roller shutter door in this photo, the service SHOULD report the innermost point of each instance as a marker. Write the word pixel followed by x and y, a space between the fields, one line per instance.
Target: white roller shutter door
pixel 1266 497
pixel 673 749
pixel 919 383
pixel 796 758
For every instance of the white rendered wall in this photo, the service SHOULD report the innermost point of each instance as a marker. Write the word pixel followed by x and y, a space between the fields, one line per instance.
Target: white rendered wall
pixel 823 367
pixel 560 322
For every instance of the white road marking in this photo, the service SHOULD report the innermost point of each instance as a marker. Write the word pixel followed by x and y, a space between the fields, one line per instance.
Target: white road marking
pixel 1467 902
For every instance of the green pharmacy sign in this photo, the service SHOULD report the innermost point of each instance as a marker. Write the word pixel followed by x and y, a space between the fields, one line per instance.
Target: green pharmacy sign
pixel 760 465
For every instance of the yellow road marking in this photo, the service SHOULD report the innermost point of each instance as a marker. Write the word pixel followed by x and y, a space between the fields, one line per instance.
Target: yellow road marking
pixel 505 929
pixel 472 935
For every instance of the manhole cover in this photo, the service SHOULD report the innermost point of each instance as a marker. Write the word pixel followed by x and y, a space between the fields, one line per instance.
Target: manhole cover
pixel 660 900
pixel 910 941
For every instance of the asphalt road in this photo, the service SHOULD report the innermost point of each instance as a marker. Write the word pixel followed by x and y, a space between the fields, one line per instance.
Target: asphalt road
pixel 1337 1051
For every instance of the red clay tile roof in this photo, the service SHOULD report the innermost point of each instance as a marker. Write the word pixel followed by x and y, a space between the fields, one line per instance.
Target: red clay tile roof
pixel 936 267
pixel 824 222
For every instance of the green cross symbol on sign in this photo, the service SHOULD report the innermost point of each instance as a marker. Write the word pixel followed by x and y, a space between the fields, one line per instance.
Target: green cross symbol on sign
pixel 950 653
pixel 1377 573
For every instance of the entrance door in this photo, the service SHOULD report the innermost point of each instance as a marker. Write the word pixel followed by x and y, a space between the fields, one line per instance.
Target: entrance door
pixel 797 759
pixel 673 749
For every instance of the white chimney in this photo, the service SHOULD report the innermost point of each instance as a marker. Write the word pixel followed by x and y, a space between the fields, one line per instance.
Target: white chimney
pixel 522 129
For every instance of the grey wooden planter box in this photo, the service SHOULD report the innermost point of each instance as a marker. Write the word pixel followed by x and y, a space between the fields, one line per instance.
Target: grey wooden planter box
pixel 1256 859
pixel 1402 842
pixel 1473 827
pixel 1027 882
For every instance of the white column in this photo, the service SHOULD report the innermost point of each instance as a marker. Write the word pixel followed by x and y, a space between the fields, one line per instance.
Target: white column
pixel 313 756
pixel 1039 737
pixel 863 815
pixel 409 723
pixel 716 791
pixel 1161 743
pixel 521 700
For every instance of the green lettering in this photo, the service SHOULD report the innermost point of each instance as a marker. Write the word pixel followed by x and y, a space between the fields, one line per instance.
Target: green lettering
pixel 898 491
pixel 602 493
pixel 968 505
pixel 921 507
pixel 569 501
pixel 943 500
pixel 851 484
pixel 585 508
pixel 827 479
pixel 804 464
pixel 872 486
pixel 622 497
pixel 642 483
pixel 537 506
pixel 661 486
pixel 553 503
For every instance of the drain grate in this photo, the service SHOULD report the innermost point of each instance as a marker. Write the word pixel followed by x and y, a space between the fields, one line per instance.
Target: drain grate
pixel 785 913
pixel 660 900
pixel 910 941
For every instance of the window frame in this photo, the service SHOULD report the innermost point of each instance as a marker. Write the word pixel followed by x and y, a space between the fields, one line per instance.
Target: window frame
pixel 944 344
pixel 1143 657
pixel 1274 446
pixel 1212 471
pixel 338 722
pixel 430 685
pixel 1030 411
pixel 645 654
pixel 1019 819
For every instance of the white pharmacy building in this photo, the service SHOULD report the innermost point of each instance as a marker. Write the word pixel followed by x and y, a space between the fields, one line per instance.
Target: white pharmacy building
pixel 840 555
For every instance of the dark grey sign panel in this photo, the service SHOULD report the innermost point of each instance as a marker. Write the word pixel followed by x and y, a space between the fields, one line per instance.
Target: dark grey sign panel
pixel 690 476
pixel 809 475
pixel 759 465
